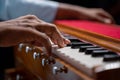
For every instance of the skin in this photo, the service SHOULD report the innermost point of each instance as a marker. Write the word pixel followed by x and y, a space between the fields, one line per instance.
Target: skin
pixel 30 29
pixel 67 11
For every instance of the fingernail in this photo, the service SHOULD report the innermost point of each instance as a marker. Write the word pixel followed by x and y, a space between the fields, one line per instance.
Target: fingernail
pixel 67 41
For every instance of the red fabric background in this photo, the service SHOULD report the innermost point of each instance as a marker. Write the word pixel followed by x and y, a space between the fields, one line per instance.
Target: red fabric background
pixel 100 28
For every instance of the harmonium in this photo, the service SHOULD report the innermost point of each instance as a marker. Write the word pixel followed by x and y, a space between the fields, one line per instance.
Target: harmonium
pixel 93 54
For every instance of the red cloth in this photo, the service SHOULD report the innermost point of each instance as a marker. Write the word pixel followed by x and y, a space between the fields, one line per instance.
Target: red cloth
pixel 100 28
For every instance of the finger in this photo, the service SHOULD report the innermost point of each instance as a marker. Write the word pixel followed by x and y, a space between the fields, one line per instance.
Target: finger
pixel 39 39
pixel 102 19
pixel 107 17
pixel 44 40
pixel 66 41
pixel 53 40
pixel 55 35
pixel 59 39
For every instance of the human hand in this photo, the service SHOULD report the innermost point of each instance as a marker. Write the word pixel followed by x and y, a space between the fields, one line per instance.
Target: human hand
pixel 30 29
pixel 67 11
pixel 97 14
pixel 49 29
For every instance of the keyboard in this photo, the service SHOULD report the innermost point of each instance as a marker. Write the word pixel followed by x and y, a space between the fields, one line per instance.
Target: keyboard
pixel 88 58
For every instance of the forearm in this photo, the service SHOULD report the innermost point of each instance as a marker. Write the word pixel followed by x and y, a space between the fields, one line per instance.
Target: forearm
pixel 68 11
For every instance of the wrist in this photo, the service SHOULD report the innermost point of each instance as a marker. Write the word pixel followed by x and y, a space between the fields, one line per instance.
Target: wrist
pixel 67 11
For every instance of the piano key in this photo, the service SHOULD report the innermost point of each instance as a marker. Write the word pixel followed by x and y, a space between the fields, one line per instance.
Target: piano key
pixel 98 53
pixel 78 44
pixel 73 40
pixel 83 48
pixel 111 57
pixel 89 50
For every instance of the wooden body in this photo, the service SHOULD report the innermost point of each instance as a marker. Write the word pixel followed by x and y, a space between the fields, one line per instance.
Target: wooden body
pixel 40 72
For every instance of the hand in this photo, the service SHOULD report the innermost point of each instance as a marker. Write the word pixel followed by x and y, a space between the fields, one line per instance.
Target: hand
pixel 96 14
pixel 49 29
pixel 67 11
pixel 30 29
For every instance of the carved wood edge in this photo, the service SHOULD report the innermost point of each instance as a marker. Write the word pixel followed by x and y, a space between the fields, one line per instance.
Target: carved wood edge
pixel 92 37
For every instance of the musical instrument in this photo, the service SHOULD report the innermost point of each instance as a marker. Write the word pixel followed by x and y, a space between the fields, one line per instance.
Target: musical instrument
pixel 92 55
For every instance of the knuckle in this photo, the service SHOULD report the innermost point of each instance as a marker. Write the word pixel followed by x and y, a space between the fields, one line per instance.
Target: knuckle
pixel 53 26
pixel 31 16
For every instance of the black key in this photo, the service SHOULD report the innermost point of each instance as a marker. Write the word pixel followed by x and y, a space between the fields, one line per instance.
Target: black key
pixel 83 48
pixel 73 40
pixel 69 44
pixel 98 53
pixel 89 50
pixel 78 44
pixel 111 57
